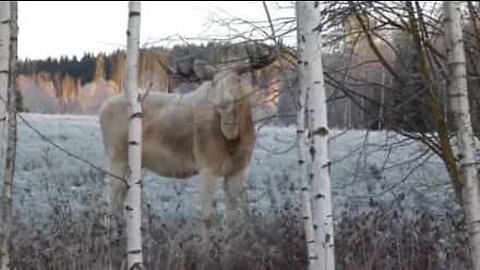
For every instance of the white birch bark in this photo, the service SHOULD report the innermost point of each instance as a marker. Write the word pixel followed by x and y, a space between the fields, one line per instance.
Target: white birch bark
pixel 302 139
pixel 4 63
pixel 319 132
pixel 133 197
pixel 458 96
pixel 9 168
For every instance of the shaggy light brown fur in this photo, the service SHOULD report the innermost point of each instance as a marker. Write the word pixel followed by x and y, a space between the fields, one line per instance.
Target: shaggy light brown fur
pixel 207 132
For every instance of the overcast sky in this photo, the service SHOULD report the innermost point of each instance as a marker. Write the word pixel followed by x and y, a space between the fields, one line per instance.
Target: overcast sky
pixel 72 28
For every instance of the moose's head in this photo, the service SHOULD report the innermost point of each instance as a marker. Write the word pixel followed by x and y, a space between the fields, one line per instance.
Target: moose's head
pixel 227 92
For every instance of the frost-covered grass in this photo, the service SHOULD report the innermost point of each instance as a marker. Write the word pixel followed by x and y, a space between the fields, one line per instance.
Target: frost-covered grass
pixel 365 166
pixel 371 172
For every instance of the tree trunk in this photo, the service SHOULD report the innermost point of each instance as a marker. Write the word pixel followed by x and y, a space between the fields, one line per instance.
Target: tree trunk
pixel 4 63
pixel 6 207
pixel 381 117
pixel 302 139
pixel 133 197
pixel 319 132
pixel 458 97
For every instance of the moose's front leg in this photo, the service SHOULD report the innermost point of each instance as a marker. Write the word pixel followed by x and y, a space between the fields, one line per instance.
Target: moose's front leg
pixel 207 188
pixel 235 201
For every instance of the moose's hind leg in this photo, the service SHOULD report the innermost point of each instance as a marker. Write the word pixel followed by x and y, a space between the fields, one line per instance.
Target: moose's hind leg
pixel 116 192
pixel 113 196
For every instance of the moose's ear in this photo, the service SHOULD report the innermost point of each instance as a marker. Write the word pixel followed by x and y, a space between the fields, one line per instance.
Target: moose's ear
pixel 247 84
pixel 203 70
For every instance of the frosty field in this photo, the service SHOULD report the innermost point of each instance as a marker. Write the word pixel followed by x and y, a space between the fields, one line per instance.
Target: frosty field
pixel 370 170
pixel 369 166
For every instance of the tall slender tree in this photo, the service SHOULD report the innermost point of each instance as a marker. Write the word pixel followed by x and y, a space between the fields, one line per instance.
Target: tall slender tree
pixel 9 168
pixel 134 176
pixel 458 97
pixel 302 138
pixel 4 64
pixel 319 132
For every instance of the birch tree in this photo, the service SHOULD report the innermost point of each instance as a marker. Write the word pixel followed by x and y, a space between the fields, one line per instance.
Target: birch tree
pixel 302 139
pixel 4 63
pixel 319 132
pixel 458 97
pixel 133 197
pixel 9 168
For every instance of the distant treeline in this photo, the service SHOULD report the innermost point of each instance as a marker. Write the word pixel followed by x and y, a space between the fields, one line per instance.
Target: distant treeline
pixel 83 69
pixel 89 65
pixel 78 85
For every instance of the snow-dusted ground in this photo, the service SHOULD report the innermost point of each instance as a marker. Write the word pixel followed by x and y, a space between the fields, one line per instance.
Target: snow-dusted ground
pixel 374 167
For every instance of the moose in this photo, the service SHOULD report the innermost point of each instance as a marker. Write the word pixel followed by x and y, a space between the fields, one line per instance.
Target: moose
pixel 207 132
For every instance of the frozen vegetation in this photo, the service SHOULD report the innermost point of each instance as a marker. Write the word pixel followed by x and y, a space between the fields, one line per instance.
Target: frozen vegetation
pixel 393 203
pixel 367 168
